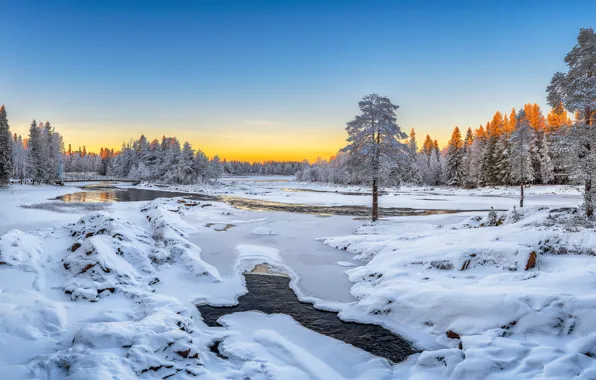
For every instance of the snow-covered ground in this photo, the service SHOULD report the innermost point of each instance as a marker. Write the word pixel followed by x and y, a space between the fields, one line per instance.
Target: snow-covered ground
pixel 109 291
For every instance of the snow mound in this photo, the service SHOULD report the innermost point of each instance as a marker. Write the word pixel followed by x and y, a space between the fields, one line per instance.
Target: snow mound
pixel 96 267
pixel 30 317
pixel 23 252
pixel 263 231
pixel 169 232
pixel 19 249
pixel 159 343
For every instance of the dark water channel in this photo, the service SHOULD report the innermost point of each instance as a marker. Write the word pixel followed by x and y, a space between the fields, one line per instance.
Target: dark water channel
pixel 114 194
pixel 272 295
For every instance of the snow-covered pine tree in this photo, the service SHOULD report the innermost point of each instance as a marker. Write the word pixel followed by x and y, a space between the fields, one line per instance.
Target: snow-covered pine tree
pixel 215 170
pixel 427 148
pixel 411 170
pixel 502 160
pixel 19 158
pixel 522 171
pixel 201 165
pixel 184 171
pixel 52 148
pixel 5 148
pixel 576 89
pixel 475 158
pixel 455 159
pixel 170 149
pixel 468 142
pixel 36 164
pixel 546 166
pixel 435 171
pixel 488 175
pixel 373 140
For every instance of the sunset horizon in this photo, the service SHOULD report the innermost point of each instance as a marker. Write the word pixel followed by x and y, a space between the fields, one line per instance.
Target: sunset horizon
pixel 281 89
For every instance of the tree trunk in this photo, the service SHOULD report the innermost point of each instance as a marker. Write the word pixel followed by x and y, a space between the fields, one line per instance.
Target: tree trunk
pixel 588 197
pixel 375 200
pixel 521 197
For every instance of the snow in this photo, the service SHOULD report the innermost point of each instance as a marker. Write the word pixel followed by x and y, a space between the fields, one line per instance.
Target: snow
pixel 263 231
pixel 112 293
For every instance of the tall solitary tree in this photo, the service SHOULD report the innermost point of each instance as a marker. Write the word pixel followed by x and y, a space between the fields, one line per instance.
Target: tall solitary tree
pixel 576 89
pixel 5 148
pixel 373 141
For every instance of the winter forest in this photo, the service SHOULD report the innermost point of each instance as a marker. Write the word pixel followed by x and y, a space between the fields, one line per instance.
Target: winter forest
pixel 513 148
pixel 42 158
pixel 297 191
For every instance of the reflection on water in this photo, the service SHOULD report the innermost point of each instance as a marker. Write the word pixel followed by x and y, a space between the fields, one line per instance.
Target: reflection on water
pixel 106 194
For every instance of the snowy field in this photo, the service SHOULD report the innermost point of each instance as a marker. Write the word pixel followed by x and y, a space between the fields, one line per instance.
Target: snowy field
pixel 100 291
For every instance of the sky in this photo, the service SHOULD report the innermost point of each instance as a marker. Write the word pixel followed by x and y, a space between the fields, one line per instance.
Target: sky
pixel 260 80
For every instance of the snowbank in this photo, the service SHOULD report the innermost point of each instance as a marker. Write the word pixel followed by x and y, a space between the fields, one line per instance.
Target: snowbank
pixel 494 297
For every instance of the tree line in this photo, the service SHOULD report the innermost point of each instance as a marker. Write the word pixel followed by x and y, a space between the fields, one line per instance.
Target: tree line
pixel 520 148
pixel 40 157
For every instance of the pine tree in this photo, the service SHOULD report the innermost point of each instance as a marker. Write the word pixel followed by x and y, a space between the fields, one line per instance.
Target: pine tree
pixel 411 172
pixel 512 121
pixel 5 148
pixel 502 160
pixel 184 172
pixel 474 160
pixel 488 175
pixel 492 219
pixel 546 166
pixel 576 89
pixel 467 157
pixel 427 148
pixel 36 162
pixel 373 140
pixel 455 158
pixel 522 171
pixel 558 118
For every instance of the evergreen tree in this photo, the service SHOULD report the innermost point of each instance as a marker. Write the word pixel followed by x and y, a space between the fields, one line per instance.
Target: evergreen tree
pixel 427 148
pixel 522 171
pixel 546 165
pixel 36 164
pixel 411 172
pixel 488 175
pixel 373 141
pixel 184 171
pixel 5 148
pixel 502 160
pixel 558 118
pixel 455 159
pixel 576 89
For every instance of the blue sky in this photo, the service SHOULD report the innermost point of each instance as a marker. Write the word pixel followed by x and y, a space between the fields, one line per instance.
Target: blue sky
pixel 274 79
